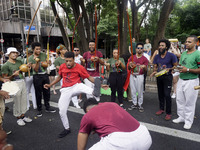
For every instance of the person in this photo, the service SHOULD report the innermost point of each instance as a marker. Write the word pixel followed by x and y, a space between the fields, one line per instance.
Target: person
pixel 71 73
pixel 11 71
pixel 116 67
pixel 137 77
pixel 3 143
pixel 118 130
pixel 29 82
pixel 78 59
pixel 134 46
pixel 52 73
pixel 164 60
pixel 174 49
pixel 147 47
pixel 186 96
pixel 40 77
pixel 92 66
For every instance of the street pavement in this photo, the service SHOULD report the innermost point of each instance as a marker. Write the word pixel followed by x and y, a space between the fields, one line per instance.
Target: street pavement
pixel 41 133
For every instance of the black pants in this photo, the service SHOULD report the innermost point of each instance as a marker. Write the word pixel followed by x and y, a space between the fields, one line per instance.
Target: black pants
pixel 39 80
pixel 116 84
pixel 164 84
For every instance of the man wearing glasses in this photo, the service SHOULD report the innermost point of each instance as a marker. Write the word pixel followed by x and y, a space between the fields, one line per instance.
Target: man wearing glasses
pixel 78 57
pixel 137 66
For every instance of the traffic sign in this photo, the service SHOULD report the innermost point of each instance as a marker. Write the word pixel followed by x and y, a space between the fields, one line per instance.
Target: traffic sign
pixel 1 40
pixel 27 27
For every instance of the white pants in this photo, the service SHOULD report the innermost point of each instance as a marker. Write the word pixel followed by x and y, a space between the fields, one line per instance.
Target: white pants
pixel 139 139
pixel 137 86
pixel 67 94
pixel 186 98
pixel 30 89
pixel 74 99
pixel 20 99
pixel 90 84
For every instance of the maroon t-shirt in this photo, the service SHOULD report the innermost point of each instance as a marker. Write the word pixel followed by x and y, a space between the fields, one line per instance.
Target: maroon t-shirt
pixel 139 61
pixel 91 69
pixel 106 118
pixel 72 76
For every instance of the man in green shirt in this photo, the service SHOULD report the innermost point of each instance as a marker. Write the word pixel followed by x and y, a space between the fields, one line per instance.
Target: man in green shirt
pixel 186 96
pixel 11 70
pixel 40 78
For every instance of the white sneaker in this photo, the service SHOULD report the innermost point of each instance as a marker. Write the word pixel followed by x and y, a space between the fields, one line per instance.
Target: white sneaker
pixel 187 126
pixel 173 95
pixel 77 105
pixel 178 120
pixel 26 119
pixel 20 122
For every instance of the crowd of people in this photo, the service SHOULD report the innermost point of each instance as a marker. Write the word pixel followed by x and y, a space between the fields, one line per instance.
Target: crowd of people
pixel 80 74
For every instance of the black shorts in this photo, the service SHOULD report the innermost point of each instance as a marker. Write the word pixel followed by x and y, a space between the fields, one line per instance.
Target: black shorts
pixel 52 72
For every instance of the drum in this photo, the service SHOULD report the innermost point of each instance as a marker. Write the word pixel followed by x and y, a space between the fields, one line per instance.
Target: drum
pixel 11 87
pixel 162 72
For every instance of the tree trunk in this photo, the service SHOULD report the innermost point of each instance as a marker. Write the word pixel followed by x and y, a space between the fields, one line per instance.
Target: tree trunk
pixel 62 30
pixel 80 27
pixel 164 15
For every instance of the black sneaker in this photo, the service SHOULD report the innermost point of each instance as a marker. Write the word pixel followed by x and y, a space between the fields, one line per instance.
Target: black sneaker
pixel 141 109
pixel 97 87
pixel 50 110
pixel 132 107
pixel 39 114
pixel 64 133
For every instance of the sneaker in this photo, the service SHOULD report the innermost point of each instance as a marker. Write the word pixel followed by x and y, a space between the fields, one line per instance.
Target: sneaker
pixel 187 126
pixel 132 107
pixel 159 112
pixel 64 133
pixel 178 120
pixel 168 117
pixel 50 110
pixel 173 95
pixel 97 87
pixel 141 109
pixel 77 105
pixel 26 119
pixel 20 122
pixel 39 114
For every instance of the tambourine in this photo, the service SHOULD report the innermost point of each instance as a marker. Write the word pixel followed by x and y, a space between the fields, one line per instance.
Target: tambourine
pixel 162 72
pixel 11 87
pixel 23 68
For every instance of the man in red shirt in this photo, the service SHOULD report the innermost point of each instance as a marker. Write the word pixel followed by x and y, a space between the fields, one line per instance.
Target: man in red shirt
pixel 117 128
pixel 71 73
pixel 91 60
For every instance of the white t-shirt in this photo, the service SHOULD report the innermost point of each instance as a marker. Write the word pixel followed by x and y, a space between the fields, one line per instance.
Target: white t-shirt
pixel 78 59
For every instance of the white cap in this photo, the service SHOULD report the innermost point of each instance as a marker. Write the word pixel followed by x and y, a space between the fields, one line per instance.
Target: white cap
pixel 11 49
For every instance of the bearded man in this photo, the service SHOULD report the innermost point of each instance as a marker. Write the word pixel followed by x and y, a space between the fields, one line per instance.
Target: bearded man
pixel 164 60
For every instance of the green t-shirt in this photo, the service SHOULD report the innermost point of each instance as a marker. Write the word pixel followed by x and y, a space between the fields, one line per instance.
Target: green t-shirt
pixel 9 68
pixel 59 61
pixel 191 61
pixel 24 61
pixel 112 62
pixel 42 58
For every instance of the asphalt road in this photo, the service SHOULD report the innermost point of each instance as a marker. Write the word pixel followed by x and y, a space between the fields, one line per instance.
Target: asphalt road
pixel 42 133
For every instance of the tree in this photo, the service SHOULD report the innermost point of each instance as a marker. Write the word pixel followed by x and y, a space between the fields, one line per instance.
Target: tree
pixel 164 15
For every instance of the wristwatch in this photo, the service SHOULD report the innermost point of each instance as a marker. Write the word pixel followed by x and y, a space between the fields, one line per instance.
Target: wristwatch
pixel 188 70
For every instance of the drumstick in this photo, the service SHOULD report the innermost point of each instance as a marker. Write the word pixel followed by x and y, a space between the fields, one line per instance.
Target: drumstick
pixel 197 87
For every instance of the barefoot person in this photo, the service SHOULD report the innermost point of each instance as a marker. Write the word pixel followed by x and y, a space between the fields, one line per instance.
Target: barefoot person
pixel 71 73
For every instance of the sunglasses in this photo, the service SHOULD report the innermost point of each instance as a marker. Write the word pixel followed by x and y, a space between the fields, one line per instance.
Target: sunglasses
pixel 76 50
pixel 139 47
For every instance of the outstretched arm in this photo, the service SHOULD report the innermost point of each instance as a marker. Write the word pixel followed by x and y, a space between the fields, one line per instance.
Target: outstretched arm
pixel 82 141
pixel 58 78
